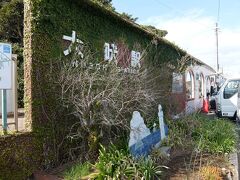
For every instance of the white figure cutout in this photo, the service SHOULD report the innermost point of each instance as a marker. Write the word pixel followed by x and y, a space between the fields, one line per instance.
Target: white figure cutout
pixel 138 129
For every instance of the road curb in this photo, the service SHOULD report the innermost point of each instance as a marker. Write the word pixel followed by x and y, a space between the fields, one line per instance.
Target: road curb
pixel 233 159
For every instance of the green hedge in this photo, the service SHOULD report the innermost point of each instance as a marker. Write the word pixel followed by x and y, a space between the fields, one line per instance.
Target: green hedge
pixel 20 155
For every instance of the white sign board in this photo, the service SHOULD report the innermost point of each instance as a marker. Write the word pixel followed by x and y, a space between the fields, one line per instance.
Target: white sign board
pixel 5 66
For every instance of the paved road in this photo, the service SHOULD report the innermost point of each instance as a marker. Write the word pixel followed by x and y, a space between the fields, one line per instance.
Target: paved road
pixel 10 120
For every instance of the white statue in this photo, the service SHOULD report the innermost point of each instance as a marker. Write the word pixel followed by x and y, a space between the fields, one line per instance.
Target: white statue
pixel 138 129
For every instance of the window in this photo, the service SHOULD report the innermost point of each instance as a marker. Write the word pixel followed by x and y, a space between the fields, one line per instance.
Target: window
pixel 177 84
pixel 201 86
pixel 231 89
pixel 189 85
pixel 208 85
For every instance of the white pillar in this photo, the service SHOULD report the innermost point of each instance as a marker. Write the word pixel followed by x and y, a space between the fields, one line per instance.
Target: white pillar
pixel 161 122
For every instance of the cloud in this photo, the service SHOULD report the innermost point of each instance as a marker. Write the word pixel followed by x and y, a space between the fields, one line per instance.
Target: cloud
pixel 195 33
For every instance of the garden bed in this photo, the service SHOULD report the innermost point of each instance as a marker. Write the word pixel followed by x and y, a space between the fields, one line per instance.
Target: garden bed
pixel 192 165
pixel 200 149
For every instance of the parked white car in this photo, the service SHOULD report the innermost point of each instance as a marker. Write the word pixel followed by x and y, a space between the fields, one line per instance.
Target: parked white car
pixel 227 99
pixel 238 105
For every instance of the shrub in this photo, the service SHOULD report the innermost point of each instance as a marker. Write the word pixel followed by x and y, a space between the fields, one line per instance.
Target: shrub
pixel 180 132
pixel 101 93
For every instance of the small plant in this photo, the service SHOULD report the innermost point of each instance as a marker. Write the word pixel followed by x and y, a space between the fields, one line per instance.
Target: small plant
pixel 159 157
pixel 119 164
pixel 114 163
pixel 149 170
pixel 77 171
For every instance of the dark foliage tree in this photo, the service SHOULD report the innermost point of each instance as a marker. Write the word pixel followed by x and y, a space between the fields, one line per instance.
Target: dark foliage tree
pixel 106 3
pixel 129 17
pixel 11 21
pixel 158 32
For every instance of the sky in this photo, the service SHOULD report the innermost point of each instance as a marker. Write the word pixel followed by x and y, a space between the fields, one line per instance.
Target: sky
pixel 191 25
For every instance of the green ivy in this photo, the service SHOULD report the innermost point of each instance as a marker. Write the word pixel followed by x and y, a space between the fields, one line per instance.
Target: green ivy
pixel 94 25
pixel 20 155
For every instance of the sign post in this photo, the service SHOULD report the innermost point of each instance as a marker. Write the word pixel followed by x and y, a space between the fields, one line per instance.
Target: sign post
pixel 5 78
pixel 4 110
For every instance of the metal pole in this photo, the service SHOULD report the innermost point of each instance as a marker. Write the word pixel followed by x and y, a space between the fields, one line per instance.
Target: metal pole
pixel 217 47
pixel 15 95
pixel 4 110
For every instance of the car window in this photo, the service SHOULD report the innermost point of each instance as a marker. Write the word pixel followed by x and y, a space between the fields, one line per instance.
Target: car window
pixel 231 88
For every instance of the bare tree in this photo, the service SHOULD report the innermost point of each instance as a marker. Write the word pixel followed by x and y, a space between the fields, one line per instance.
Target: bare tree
pixel 102 93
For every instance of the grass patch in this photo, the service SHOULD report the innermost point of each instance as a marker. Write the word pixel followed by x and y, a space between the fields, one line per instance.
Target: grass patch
pixel 215 136
pixel 196 131
pixel 77 171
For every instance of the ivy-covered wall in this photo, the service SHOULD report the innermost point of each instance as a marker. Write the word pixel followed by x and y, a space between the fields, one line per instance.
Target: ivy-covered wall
pixel 45 23
pixel 48 20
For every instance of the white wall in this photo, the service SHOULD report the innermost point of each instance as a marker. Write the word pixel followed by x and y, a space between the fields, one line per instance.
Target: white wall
pixel 196 103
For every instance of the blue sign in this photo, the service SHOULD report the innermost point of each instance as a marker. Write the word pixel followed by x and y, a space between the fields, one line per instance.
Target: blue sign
pixel 6 49
pixel 144 147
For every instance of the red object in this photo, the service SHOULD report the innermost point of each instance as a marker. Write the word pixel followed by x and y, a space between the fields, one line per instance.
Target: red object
pixel 205 107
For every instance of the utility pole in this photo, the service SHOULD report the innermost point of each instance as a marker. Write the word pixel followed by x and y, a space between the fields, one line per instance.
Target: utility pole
pixel 217 46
